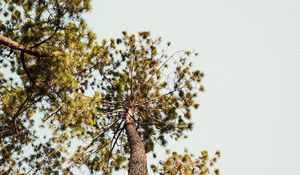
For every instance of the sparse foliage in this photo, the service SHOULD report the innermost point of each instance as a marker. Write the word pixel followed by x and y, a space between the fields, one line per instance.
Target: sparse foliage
pixel 188 164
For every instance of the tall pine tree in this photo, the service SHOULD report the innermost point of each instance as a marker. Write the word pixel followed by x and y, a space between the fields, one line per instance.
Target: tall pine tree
pixel 124 109
pixel 104 106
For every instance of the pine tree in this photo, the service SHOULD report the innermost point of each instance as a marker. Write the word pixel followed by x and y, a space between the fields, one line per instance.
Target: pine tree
pixel 124 109
pixel 103 106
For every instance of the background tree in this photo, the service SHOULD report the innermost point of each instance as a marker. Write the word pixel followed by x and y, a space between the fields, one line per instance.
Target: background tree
pixel 31 31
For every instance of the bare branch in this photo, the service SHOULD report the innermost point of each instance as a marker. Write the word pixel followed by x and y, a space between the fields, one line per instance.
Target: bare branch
pixel 17 46
pixel 101 134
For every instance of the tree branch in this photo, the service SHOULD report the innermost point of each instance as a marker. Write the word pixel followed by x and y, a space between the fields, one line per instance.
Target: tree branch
pixel 17 46
pixel 103 132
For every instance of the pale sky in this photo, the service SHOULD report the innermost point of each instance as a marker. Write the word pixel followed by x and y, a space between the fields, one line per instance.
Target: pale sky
pixel 250 53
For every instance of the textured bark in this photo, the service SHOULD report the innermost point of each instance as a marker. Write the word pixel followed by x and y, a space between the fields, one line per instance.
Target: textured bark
pixel 138 158
pixel 17 46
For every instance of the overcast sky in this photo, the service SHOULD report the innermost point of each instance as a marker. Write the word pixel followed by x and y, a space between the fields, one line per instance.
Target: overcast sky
pixel 249 51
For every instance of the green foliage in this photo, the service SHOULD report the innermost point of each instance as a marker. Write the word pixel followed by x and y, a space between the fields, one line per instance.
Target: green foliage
pixel 187 164
pixel 30 84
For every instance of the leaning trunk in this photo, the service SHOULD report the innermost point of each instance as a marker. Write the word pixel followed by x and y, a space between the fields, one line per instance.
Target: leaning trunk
pixel 138 159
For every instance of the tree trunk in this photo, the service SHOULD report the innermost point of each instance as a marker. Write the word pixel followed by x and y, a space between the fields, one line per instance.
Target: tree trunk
pixel 17 46
pixel 138 158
